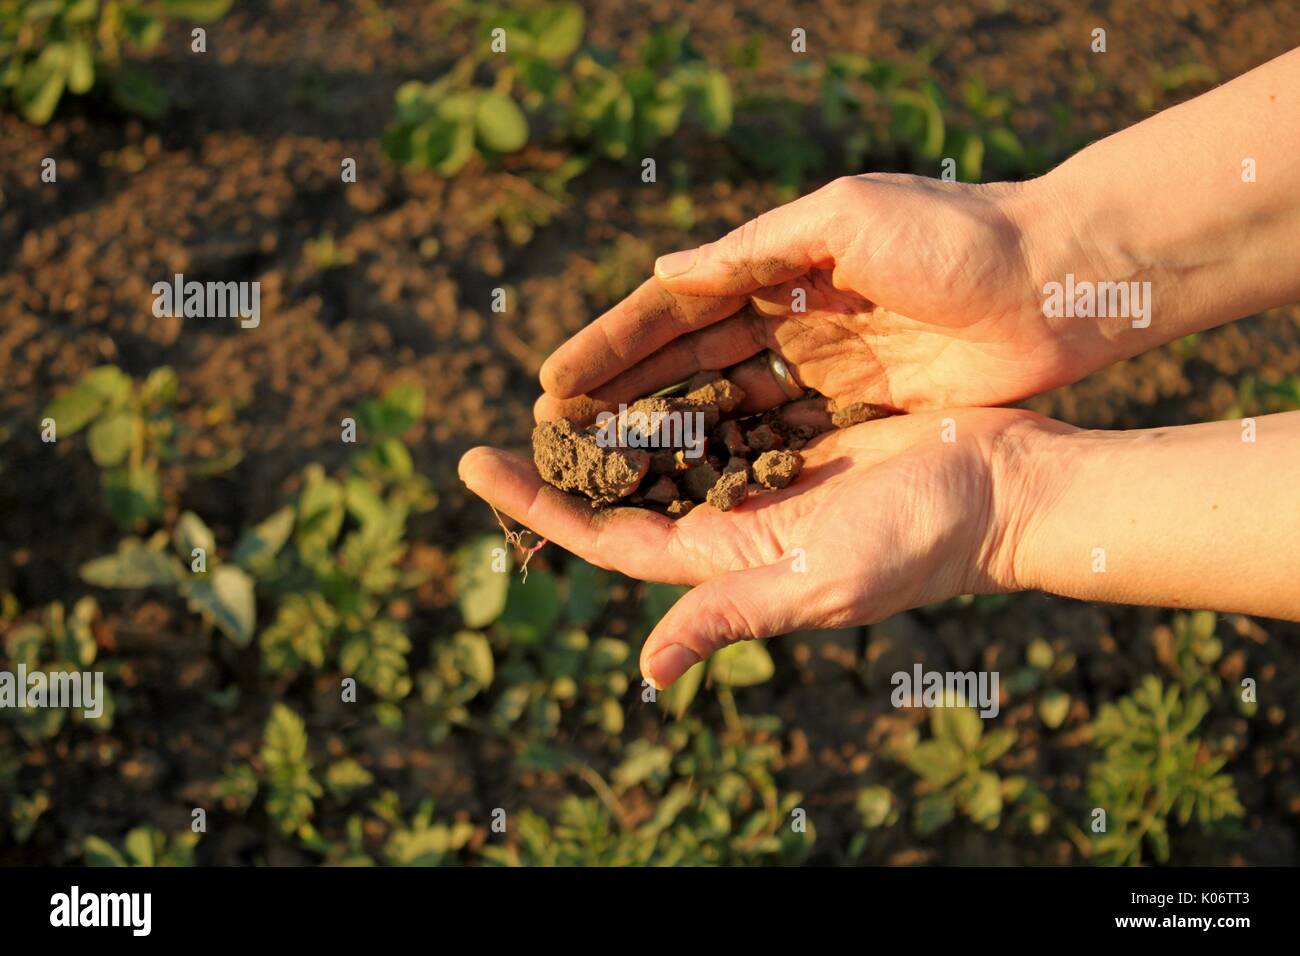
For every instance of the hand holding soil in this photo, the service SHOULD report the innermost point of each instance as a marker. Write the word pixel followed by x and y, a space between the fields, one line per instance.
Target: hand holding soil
pixel 910 294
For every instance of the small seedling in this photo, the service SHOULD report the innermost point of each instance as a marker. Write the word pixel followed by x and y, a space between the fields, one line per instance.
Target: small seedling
pixel 129 431
pixel 49 47
pixel 956 766
pixel 1154 771
pixel 144 846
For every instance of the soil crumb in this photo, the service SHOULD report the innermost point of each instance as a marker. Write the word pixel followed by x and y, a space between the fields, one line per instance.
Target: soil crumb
pixel 729 490
pixel 574 461
pixel 776 469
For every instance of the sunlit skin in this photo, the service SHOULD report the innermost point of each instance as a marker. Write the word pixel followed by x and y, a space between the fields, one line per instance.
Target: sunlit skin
pixel 925 295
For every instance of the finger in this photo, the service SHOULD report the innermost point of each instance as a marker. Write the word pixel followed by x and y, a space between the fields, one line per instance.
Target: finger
pixel 582 410
pixel 633 330
pixel 760 385
pixel 634 541
pixel 753 603
pixel 754 376
pixel 778 246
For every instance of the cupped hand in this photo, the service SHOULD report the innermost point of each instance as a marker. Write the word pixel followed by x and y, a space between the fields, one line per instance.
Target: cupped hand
pixel 887 515
pixel 916 294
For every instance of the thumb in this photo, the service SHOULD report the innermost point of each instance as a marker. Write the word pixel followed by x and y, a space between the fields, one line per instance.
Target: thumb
pixel 757 602
pixel 780 245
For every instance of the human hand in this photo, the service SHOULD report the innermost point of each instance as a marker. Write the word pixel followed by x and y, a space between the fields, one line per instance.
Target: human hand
pixel 920 294
pixel 886 516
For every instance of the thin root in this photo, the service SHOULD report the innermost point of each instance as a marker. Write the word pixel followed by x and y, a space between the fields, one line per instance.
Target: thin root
pixel 516 538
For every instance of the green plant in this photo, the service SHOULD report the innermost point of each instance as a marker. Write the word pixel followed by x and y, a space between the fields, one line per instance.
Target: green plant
pixel 460 669
pixel 1190 649
pixel 623 111
pixel 956 768
pixel 1154 770
pixel 60 642
pixel 715 803
pixel 618 110
pixel 48 47
pixel 291 788
pixel 222 593
pixel 1044 669
pixel 25 812
pixel 129 430
pixel 144 846
pixel 334 589
pixel 1255 397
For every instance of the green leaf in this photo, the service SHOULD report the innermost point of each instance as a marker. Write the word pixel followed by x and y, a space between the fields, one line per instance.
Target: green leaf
pixel 558 30
pixel 201 11
pixel 1053 707
pixel 500 123
pixel 284 740
pixel 142 845
pixel 320 515
pixel 136 92
pixel 587 593
pixel 99 852
pixel 677 699
pixel 644 761
pixel 142 28
pixel 134 566
pixel 110 438
pixel 473 657
pixel 659 599
pixel 41 85
pixel 103 387
pixel 346 775
pixel 480 590
pixel 532 608
pixel 742 664
pixel 1004 146
pixel 971 163
pixel 134 495
pixel 225 597
pixel 875 805
pixel 982 799
pixel 938 762
pixel 400 408
pixel 258 546
pixel 715 105
pixel 189 533
pixel 995 744
pixel 160 387
pixel 81 66
pixel 961 725
pixel 933 812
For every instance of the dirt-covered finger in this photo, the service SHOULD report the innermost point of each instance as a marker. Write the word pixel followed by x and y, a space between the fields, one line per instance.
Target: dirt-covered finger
pixel 633 330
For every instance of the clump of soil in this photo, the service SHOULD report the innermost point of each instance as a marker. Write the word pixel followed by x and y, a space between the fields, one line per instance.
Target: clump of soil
pixel 776 469
pixel 728 491
pixel 648 455
pixel 574 461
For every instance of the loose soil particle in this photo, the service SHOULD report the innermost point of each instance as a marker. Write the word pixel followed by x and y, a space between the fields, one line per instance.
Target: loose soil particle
pixel 776 469
pixel 729 491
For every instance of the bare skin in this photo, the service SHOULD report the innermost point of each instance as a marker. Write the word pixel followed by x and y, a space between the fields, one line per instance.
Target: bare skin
pixel 925 295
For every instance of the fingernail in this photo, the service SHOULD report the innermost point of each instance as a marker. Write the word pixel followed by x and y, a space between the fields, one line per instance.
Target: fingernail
pixel 670 663
pixel 675 263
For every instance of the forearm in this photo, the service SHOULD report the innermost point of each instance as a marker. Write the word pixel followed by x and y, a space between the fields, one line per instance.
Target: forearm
pixel 1198 516
pixel 1202 201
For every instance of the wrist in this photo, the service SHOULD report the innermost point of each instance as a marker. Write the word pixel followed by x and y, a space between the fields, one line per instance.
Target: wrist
pixel 1031 461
